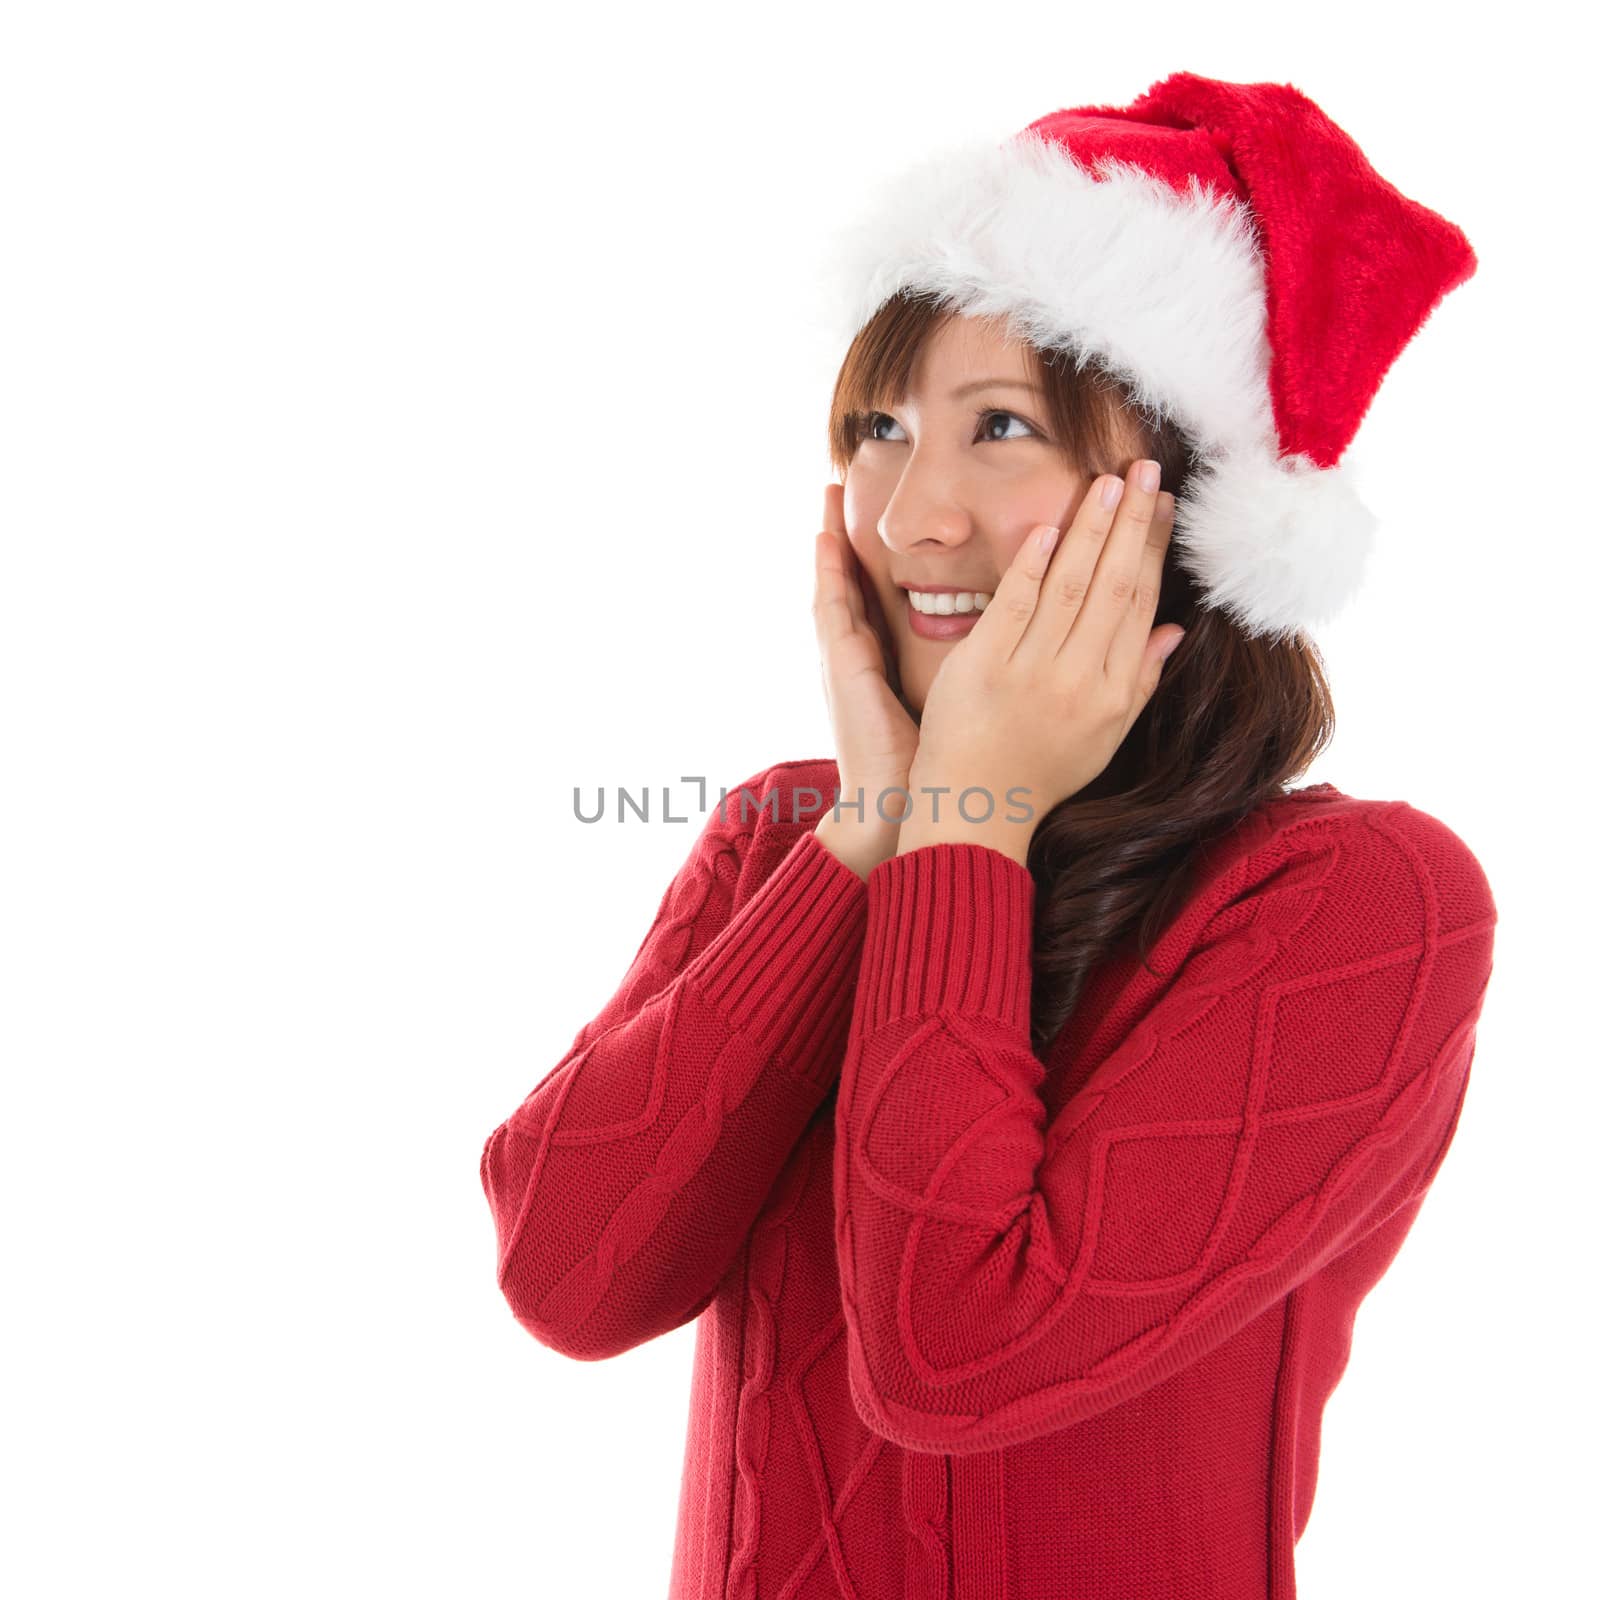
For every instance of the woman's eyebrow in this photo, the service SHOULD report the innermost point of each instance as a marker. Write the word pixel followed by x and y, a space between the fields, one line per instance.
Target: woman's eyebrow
pixel 992 383
pixel 986 383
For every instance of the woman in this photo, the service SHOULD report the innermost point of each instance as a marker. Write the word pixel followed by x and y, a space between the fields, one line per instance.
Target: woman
pixel 1030 1124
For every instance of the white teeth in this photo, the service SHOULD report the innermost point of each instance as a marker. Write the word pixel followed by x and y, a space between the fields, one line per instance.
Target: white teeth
pixel 944 605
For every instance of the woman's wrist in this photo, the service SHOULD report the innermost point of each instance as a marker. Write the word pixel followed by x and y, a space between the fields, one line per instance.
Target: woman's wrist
pixel 861 844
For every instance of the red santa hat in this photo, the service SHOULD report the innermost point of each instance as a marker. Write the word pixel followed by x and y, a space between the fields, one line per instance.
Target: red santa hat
pixel 1229 253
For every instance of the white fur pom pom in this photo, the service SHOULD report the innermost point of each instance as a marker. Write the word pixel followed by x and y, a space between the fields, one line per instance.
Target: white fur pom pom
pixel 1277 542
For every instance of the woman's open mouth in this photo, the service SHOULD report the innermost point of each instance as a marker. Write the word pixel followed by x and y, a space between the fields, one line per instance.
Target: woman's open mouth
pixel 944 613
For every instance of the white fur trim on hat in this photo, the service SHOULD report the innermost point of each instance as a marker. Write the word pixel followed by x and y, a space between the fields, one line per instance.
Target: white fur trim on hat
pixel 1168 291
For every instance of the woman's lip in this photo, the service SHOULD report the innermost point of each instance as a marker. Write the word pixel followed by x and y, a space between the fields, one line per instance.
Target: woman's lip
pixel 940 625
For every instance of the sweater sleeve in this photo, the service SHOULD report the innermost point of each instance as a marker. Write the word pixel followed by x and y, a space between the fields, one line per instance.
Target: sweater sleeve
pixel 624 1184
pixel 1006 1273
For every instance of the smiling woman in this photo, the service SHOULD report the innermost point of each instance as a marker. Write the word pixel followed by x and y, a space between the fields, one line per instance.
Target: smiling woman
pixel 1026 1171
pixel 992 410
pixel 1236 716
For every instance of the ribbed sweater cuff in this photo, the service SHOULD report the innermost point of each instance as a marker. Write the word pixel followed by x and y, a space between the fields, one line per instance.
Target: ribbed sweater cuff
pixel 949 929
pixel 784 969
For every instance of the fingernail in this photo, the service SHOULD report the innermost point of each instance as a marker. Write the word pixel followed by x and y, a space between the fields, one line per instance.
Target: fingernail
pixel 1110 491
pixel 1172 645
pixel 1047 537
pixel 1149 477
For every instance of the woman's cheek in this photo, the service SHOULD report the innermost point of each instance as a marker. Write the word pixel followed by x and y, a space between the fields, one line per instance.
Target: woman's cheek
pixel 1007 551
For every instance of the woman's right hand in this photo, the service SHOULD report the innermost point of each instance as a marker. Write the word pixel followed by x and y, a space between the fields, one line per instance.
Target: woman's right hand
pixel 874 735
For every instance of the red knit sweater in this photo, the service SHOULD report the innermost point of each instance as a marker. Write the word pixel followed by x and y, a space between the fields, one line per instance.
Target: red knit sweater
pixel 977 1325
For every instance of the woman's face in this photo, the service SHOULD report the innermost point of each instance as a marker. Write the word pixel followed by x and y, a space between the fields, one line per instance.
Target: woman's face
pixel 944 488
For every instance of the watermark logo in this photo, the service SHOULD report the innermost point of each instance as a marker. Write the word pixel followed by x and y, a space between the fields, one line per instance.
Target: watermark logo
pixel 975 804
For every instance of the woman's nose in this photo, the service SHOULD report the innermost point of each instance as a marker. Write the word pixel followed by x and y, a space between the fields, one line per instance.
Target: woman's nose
pixel 902 530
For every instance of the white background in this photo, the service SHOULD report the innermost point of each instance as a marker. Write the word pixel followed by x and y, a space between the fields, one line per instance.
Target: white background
pixel 413 411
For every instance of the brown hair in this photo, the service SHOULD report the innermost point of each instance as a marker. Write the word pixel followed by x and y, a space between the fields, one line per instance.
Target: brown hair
pixel 1233 719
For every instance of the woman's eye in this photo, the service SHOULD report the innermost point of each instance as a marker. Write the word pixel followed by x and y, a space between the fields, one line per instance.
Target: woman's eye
pixel 872 419
pixel 985 417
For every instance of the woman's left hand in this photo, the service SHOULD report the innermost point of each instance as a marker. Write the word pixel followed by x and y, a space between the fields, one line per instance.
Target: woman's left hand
pixel 1043 690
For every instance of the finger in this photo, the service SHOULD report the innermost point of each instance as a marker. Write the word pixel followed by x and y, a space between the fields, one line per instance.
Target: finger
pixel 844 640
pixel 860 595
pixel 1159 649
pixel 1065 591
pixel 1125 660
pixel 830 606
pixel 1116 574
pixel 1005 619
pixel 833 522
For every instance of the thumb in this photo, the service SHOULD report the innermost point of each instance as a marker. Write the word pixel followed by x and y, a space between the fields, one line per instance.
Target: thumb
pixel 1155 662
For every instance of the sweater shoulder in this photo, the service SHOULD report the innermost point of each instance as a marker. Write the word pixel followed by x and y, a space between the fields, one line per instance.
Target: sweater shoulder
pixel 1384 854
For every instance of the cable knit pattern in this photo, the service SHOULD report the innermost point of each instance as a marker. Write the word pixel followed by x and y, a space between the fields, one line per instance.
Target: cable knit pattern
pixel 979 1324
pixel 625 1183
pixel 768 1254
pixel 1004 1278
